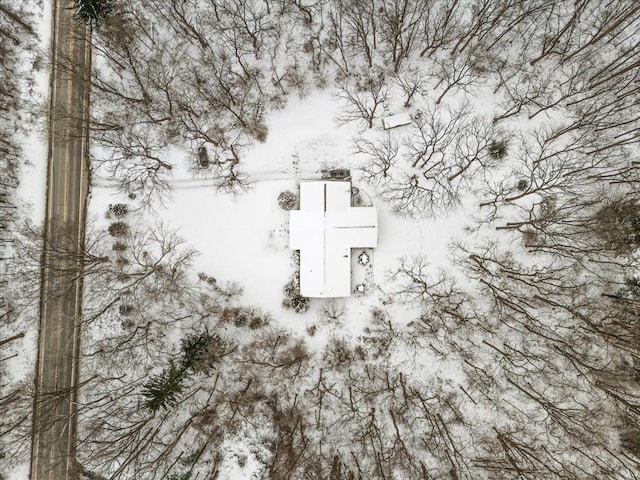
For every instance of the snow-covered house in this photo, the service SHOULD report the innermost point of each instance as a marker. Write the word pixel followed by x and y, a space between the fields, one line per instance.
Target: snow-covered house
pixel 325 229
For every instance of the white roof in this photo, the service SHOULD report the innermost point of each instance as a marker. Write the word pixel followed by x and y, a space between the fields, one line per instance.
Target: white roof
pixel 325 229
pixel 397 120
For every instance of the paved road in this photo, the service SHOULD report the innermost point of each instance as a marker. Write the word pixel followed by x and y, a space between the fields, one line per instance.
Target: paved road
pixel 54 424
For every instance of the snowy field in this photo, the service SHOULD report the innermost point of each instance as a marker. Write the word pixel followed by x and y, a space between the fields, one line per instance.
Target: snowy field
pixel 244 238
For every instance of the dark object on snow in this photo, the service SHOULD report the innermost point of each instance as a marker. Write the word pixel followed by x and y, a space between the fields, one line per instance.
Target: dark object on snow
pixel 93 11
pixel 336 174
pixel 287 200
pixel 118 229
pixel 300 304
pixel 119 209
pixel 498 149
pixel 203 157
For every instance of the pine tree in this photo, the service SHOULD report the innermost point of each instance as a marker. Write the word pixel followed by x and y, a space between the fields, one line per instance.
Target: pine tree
pixel 163 391
pixel 201 351
pixel 93 11
pixel 195 352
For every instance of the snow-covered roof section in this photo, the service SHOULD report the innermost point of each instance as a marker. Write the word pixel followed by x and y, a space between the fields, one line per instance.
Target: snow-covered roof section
pixel 397 120
pixel 325 229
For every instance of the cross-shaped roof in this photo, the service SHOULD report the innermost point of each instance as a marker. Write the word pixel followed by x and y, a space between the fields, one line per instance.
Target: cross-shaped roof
pixel 325 229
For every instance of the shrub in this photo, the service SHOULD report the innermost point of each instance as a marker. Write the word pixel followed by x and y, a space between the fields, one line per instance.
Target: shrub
pixel 122 261
pixel 630 439
pixel 337 353
pixel 333 310
pixel 258 321
pixel 617 224
pixel 292 288
pixel 356 197
pixel 529 237
pixel 259 131
pixel 498 149
pixel 119 209
pixel 229 314
pixel 125 309
pixel 118 229
pixel 119 247
pixel 287 200
pixel 522 185
pixel 202 351
pixel 631 289
pixel 300 304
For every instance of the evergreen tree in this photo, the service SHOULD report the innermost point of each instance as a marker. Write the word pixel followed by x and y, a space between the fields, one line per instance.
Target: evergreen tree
pixel 163 391
pixel 201 351
pixel 93 11
pixel 195 350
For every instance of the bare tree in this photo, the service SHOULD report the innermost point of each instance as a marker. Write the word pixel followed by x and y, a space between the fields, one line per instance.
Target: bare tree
pixel 457 72
pixel 400 28
pixel 440 25
pixel 363 97
pixel 412 82
pixel 381 157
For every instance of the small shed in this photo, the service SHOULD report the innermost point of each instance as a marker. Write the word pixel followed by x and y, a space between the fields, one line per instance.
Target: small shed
pixel 398 120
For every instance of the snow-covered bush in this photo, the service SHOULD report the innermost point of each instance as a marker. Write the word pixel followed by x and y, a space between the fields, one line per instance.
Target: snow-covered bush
pixel 258 319
pixel 287 200
pixel 119 247
pixel 125 309
pixel 119 210
pixel 338 353
pixel 118 229
pixel 497 149
pixel 522 185
pixel 292 288
pixel 300 304
pixel 333 310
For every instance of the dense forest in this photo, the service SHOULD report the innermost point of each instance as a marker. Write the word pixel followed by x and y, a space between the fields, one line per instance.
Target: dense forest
pixel 19 62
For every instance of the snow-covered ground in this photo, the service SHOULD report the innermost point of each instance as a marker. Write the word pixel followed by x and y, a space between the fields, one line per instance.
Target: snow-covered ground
pixel 31 193
pixel 244 238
